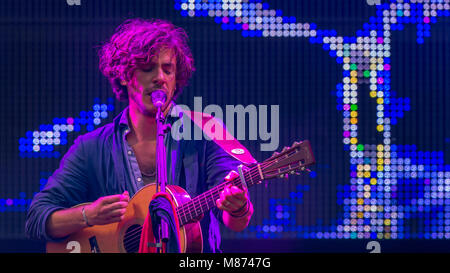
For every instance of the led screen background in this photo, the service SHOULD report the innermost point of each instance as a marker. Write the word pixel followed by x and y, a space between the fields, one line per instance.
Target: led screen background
pixel 366 84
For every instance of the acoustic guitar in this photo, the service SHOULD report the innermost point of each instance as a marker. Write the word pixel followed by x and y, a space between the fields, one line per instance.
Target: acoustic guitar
pixel 124 236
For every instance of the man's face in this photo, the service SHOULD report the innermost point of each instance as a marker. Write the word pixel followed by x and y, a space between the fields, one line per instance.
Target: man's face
pixel 158 74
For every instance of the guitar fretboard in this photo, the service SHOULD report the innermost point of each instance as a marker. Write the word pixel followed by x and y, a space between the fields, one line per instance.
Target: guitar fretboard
pixel 290 159
pixel 202 203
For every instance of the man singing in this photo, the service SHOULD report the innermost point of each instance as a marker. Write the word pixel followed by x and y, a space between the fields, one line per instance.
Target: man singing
pixel 107 166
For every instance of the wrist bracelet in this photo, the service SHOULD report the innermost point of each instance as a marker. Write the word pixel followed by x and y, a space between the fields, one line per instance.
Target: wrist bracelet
pixel 85 218
pixel 238 213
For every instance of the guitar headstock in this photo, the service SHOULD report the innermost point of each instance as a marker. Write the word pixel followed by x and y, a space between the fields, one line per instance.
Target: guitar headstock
pixel 290 160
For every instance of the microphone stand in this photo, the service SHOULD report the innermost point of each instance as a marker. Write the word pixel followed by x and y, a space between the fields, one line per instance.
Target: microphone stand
pixel 161 170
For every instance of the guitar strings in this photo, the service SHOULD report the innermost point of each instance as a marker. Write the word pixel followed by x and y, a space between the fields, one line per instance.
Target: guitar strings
pixel 213 194
pixel 236 181
pixel 133 233
pixel 190 207
pixel 133 237
pixel 187 208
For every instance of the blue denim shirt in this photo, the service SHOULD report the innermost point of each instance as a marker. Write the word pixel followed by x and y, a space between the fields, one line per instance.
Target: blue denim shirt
pixel 99 164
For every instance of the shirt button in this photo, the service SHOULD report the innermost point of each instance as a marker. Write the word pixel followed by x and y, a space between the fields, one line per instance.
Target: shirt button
pixel 139 179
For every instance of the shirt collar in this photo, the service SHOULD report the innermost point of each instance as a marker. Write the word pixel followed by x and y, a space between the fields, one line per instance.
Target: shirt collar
pixel 123 121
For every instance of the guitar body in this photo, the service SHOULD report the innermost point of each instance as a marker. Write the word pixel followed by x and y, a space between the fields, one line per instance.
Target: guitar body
pixel 124 236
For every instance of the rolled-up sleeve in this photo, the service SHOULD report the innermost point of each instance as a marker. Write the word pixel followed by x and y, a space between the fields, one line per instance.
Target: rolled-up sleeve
pixel 67 187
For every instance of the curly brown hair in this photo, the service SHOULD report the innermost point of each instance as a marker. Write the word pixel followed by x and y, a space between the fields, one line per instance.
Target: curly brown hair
pixel 136 42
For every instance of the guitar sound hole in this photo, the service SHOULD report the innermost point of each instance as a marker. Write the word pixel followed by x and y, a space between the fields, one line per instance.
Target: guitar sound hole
pixel 132 238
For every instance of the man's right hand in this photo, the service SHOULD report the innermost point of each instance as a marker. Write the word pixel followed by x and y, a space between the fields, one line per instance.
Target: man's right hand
pixel 105 210
pixel 108 209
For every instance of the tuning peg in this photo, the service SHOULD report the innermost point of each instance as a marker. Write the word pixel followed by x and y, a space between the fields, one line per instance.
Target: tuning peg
pixel 302 169
pixel 305 170
pixel 296 143
pixel 284 176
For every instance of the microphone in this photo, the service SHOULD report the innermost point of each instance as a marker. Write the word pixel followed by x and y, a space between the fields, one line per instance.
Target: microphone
pixel 158 98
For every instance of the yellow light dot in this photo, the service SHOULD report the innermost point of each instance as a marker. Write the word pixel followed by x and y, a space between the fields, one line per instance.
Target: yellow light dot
pixel 380 168
pixel 360 174
pixel 373 94
pixel 366 174
pixel 387 222
pixel 353 140
pixel 373 67
pixel 380 100
pixel 354 73
pixel 380 147
pixel 380 161
pixel 353 80
pixel 360 201
pixel 380 154
pixel 373 181
pixel 353 120
pixel 353 114
pixel 387 236
pixel 380 128
pixel 360 215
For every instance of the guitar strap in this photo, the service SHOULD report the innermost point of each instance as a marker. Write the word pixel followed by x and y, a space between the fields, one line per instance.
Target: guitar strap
pixel 221 136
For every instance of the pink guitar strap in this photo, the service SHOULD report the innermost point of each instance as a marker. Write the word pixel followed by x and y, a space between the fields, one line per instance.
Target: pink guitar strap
pixel 227 142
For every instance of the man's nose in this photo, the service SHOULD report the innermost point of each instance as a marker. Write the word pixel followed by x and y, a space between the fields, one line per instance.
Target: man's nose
pixel 160 77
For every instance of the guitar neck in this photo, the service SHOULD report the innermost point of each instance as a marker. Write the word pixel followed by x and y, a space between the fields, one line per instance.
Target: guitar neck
pixel 202 203
pixel 289 160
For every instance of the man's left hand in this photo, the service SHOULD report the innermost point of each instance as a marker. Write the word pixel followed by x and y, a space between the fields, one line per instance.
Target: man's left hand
pixel 232 198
